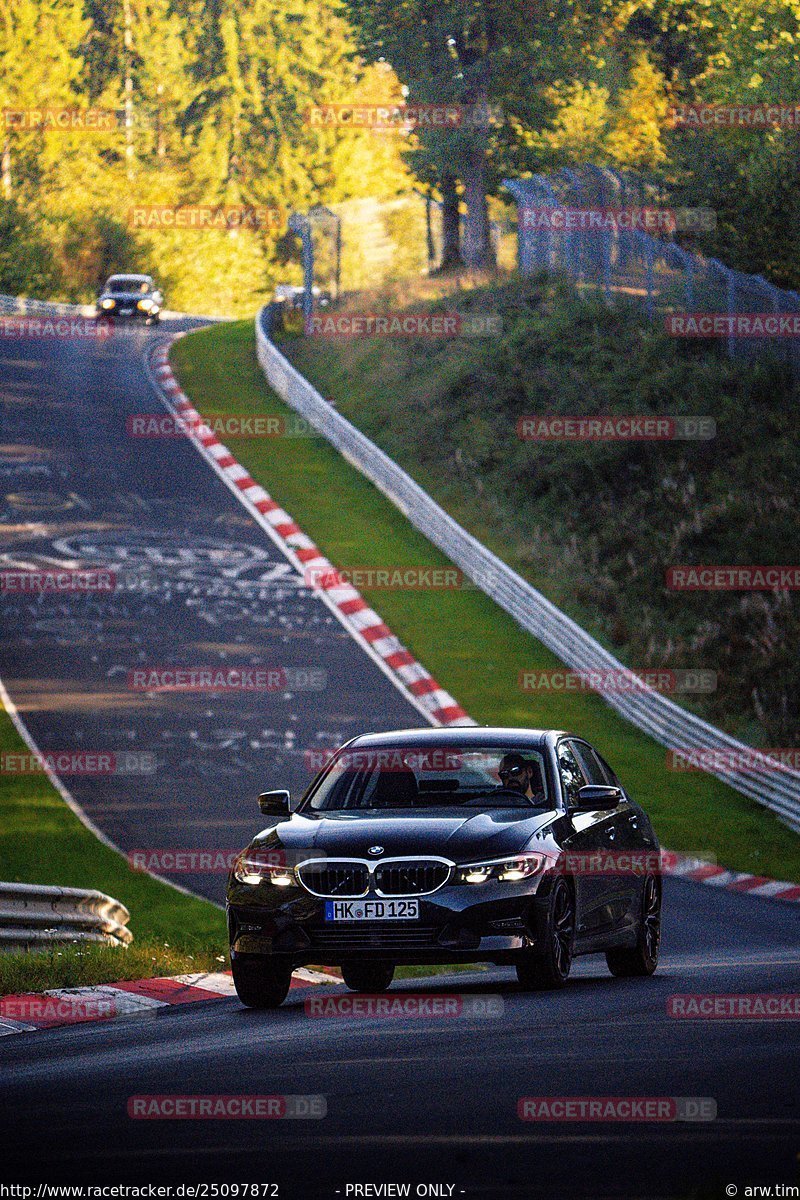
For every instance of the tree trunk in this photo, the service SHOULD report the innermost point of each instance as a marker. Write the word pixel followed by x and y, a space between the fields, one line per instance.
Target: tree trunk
pixel 5 169
pixel 451 224
pixel 478 249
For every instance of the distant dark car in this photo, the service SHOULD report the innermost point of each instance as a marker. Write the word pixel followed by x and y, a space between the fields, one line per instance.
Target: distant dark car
pixel 460 845
pixel 130 298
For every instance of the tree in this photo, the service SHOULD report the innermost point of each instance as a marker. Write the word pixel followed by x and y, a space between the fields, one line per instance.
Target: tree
pixel 41 52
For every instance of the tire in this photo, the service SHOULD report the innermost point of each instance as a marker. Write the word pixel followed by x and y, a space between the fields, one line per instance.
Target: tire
pixel 259 981
pixel 641 959
pixel 368 976
pixel 548 967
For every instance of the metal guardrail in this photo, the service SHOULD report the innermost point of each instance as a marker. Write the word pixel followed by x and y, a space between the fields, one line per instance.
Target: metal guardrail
pixel 21 307
pixel 771 785
pixel 33 917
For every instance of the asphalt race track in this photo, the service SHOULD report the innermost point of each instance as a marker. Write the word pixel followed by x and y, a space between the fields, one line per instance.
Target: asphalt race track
pixel 427 1100
pixel 197 584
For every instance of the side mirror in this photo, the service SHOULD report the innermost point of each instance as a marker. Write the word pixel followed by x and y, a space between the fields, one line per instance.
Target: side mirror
pixel 597 797
pixel 274 804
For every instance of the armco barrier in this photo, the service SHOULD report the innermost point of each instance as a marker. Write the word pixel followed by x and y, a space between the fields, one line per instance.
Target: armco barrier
pixel 776 788
pixel 21 307
pixel 32 917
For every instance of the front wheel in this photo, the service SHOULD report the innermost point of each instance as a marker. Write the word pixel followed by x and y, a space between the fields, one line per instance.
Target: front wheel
pixel 642 959
pixel 548 966
pixel 367 976
pixel 260 982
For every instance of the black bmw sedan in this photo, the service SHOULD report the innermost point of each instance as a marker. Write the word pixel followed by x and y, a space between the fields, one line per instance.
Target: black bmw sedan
pixel 513 846
pixel 130 298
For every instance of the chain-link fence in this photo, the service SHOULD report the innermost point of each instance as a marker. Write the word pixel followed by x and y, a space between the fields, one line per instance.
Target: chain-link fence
pixel 612 233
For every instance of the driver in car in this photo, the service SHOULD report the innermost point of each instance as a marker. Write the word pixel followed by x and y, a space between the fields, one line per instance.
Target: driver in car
pixel 521 775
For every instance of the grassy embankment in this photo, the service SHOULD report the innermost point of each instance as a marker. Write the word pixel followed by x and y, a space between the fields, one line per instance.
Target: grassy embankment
pixel 43 841
pixel 474 649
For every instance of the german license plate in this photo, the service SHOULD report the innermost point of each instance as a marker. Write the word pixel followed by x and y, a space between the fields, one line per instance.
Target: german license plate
pixel 371 910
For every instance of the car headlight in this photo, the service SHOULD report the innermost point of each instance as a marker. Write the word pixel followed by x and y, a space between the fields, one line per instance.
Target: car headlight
pixel 107 303
pixel 145 305
pixel 507 870
pixel 253 871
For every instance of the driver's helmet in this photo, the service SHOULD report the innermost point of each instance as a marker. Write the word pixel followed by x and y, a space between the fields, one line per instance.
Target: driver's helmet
pixel 513 771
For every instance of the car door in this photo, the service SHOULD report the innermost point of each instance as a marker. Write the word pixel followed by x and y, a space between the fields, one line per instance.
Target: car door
pixel 615 838
pixel 634 836
pixel 588 834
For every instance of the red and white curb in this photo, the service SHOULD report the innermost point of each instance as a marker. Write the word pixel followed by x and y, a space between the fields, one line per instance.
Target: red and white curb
pixel 365 624
pixel 362 622
pixel 700 871
pixel 31 1011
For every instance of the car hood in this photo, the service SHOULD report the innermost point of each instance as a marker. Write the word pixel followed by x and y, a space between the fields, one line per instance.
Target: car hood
pixel 459 836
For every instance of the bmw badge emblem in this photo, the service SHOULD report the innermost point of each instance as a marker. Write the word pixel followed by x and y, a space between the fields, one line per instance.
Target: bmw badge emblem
pixel 376 850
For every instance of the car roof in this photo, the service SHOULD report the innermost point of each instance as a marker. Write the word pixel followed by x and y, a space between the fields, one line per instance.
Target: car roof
pixel 461 735
pixel 127 275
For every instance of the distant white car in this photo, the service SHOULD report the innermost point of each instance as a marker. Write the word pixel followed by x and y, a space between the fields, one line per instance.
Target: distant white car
pixel 292 294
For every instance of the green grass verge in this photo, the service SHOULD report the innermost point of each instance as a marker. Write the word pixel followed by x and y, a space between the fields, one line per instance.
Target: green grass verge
pixel 471 646
pixel 43 841
pixel 82 966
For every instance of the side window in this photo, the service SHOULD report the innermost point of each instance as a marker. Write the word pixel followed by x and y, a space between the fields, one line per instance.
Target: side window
pixel 572 776
pixel 612 778
pixel 592 766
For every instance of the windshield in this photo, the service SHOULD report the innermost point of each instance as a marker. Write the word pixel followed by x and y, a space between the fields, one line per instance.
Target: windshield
pixel 410 778
pixel 125 283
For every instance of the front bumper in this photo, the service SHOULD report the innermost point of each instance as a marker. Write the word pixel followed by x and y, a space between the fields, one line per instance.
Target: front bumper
pixel 453 926
pixel 117 314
